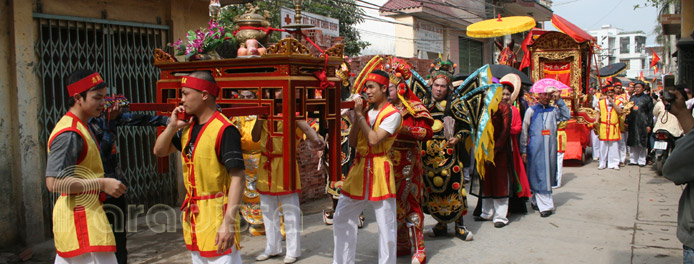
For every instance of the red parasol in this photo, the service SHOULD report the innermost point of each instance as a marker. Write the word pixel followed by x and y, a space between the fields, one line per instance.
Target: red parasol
pixel 570 29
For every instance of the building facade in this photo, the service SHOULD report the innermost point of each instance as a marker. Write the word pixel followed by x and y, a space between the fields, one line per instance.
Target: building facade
pixel 423 29
pixel 626 47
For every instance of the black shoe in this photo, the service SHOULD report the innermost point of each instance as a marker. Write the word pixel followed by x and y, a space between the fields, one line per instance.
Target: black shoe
pixel 499 224
pixel 480 219
pixel 462 233
pixel 535 207
pixel 440 230
pixel 546 213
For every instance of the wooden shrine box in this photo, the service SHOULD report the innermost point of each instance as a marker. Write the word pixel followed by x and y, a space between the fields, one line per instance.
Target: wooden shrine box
pixel 288 66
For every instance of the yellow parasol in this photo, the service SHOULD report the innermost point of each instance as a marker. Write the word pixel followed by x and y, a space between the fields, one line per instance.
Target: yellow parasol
pixel 500 26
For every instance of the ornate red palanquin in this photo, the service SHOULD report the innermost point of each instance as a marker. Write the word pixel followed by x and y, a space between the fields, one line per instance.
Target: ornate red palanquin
pixel 559 56
pixel 288 66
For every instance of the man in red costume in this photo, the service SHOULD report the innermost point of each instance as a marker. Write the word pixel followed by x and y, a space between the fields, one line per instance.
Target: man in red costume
pixel 407 161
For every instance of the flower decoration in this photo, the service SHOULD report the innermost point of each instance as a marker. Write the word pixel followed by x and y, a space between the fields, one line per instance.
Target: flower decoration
pixel 203 40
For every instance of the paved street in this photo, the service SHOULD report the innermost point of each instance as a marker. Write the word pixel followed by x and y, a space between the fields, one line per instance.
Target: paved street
pixel 626 216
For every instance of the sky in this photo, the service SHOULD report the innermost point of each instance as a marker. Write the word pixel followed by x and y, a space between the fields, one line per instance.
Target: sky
pixel 592 14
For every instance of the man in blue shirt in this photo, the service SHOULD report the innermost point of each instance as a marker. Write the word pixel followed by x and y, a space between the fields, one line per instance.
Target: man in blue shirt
pixel 105 133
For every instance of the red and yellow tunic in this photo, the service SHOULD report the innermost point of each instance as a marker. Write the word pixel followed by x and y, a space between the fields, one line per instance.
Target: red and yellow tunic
pixel 371 176
pixel 609 122
pixel 207 186
pixel 250 210
pixel 79 222
pixel 271 178
pixel 561 137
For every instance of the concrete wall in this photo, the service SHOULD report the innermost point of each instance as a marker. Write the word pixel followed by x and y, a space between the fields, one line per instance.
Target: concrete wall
pixel 25 95
pixel 22 156
pixel 9 221
pixel 404 42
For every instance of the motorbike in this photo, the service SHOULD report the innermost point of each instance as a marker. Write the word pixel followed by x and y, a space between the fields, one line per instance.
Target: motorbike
pixel 664 144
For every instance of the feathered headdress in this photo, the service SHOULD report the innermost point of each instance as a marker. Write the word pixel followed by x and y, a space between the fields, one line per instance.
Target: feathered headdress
pixel 400 72
pixel 442 69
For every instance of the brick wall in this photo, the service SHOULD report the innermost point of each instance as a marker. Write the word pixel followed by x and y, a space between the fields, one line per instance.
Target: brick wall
pixel 312 180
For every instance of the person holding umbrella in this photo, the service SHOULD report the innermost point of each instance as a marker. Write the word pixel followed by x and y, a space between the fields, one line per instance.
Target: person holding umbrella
pixel 538 140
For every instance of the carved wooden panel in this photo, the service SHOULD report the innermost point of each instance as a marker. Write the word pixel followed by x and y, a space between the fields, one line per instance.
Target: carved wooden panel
pixel 554 41
pixel 337 50
pixel 288 46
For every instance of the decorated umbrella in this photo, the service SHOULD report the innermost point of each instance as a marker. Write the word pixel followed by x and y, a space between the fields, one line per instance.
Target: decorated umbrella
pixel 543 85
pixel 612 70
pixel 500 26
pixel 570 29
pixel 499 71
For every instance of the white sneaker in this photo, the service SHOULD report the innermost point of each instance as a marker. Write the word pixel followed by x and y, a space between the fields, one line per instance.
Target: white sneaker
pixel 289 259
pixel 615 168
pixel 263 257
pixel 601 168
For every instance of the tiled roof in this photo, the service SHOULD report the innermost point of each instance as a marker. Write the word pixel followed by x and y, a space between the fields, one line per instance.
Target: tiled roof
pixel 395 5
pixel 438 5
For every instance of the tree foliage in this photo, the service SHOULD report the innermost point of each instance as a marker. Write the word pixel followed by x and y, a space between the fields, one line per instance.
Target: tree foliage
pixel 654 3
pixel 345 11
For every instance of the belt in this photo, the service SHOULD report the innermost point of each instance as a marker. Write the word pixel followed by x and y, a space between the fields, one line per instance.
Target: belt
pixel 404 144
pixel 370 155
pixel 190 204
pixel 102 195
pixel 268 168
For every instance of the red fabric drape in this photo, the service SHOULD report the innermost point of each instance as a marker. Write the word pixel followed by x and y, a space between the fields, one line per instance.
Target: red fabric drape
pixel 570 29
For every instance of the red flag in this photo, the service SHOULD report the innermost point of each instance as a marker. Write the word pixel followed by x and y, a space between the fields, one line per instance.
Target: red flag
pixel 641 76
pixel 656 69
pixel 655 59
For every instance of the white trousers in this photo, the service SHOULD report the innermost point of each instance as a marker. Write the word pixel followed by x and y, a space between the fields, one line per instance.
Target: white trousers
pixel 637 155
pixel 595 144
pixel 495 209
pixel 560 165
pixel 89 258
pixel 544 202
pixel 623 148
pixel 345 229
pixel 232 258
pixel 609 154
pixel 270 206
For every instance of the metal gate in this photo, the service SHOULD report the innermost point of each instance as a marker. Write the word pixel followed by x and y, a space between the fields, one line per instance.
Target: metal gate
pixel 122 52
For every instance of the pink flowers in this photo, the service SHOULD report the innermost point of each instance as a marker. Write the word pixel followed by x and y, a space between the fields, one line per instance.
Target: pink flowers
pixel 202 40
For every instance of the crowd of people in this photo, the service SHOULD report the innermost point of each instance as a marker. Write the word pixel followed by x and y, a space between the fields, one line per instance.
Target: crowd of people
pixel 629 118
pixel 408 158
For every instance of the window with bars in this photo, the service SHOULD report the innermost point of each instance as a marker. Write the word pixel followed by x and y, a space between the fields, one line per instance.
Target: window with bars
pixel 470 55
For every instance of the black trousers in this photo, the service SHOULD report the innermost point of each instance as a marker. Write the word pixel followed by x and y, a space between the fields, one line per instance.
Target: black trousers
pixel 117 214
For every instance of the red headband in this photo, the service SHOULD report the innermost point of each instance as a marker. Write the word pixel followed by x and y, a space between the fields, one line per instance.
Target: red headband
pixel 607 88
pixel 380 79
pixel 84 84
pixel 200 85
pixel 448 80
